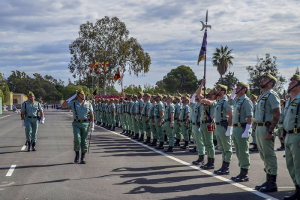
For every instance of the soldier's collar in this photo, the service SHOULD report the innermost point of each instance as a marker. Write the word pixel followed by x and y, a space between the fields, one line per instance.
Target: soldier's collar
pixel 242 97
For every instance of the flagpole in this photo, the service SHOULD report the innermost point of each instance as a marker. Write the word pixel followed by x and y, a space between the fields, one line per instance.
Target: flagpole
pixel 205 51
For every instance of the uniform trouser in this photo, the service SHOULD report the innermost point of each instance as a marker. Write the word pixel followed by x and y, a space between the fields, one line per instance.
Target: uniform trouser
pixel 117 119
pixel 140 124
pixel 108 119
pixel 184 131
pixel 292 152
pixel 113 119
pixel 266 150
pixel 103 117
pixel 224 143
pixel 253 134
pixel 169 133
pixel 207 141
pixel 124 122
pixel 99 117
pixel 278 132
pixel 129 121
pixel 81 132
pixel 159 130
pixel 177 130
pixel 133 123
pixel 190 128
pixel 241 147
pixel 193 133
pixel 31 128
pixel 146 126
pixel 120 116
pixel 153 128
pixel 198 140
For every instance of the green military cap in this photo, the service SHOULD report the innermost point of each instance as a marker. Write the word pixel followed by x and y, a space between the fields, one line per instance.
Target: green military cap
pixel 80 91
pixel 164 96
pixel 295 77
pixel 253 96
pixel 241 84
pixel 121 98
pixel 282 101
pixel 30 94
pixel 159 95
pixel 147 95
pixel 141 93
pixel 270 76
pixel 179 94
pixel 221 86
pixel 187 98
pixel 171 97
pixel 134 96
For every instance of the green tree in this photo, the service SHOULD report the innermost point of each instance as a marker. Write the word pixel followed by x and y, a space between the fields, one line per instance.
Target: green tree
pixel 181 79
pixel 297 71
pixel 107 40
pixel 229 80
pixel 4 90
pixel 222 59
pixel 132 89
pixel 267 65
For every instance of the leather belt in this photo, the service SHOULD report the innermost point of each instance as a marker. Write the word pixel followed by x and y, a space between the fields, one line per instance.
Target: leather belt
pixel 78 120
pixel 31 117
pixel 240 125
pixel 293 131
pixel 263 123
pixel 206 121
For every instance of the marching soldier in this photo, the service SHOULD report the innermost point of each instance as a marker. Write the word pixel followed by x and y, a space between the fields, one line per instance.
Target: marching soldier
pixel 125 125
pixel 253 98
pixel 118 123
pixel 169 122
pixel 151 117
pixel 138 111
pixel 145 118
pixel 83 123
pixel 121 115
pixel 94 107
pixel 159 113
pixel 267 114
pixel 280 126
pixel 291 136
pixel 29 117
pixel 243 111
pixel 129 106
pixel 113 114
pixel 184 120
pixel 105 124
pixel 135 128
pixel 223 114
pixel 22 119
pixel 108 112
pixel 176 127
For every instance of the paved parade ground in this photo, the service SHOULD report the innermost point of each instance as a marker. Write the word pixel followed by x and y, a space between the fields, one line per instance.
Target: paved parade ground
pixel 117 168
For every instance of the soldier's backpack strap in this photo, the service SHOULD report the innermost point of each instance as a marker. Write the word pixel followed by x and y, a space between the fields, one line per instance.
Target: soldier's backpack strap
pixel 75 110
pixel 25 110
pixel 264 110
pixel 239 112
pixel 222 110
pixel 296 118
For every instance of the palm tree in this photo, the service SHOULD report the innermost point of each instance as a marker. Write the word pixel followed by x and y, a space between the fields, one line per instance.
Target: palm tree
pixel 222 59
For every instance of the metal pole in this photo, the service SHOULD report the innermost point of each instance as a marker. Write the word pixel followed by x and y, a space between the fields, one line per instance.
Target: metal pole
pixel 205 50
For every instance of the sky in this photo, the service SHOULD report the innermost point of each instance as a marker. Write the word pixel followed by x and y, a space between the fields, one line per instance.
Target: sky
pixel 35 35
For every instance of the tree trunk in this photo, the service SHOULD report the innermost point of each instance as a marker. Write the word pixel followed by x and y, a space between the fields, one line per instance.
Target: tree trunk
pixel 104 85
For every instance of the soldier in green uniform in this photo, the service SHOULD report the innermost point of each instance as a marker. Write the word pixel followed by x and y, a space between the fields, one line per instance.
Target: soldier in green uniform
pixel 94 107
pixel 159 113
pixel 22 119
pixel 145 119
pixel 191 131
pixel 104 113
pixel 280 126
pixel 121 114
pixel 135 127
pixel 117 105
pixel 113 114
pixel 138 115
pixel 253 98
pixel 291 136
pixel 243 111
pixel 176 127
pixel 108 112
pixel 169 122
pixel 29 114
pixel 152 121
pixel 223 115
pixel 267 114
pixel 206 124
pixel 129 109
pixel 184 120
pixel 125 122
pixel 83 123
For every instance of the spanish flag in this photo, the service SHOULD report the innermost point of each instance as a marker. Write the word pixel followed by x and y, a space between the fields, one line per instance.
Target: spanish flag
pixel 117 75
pixel 98 71
pixel 91 68
pixel 105 66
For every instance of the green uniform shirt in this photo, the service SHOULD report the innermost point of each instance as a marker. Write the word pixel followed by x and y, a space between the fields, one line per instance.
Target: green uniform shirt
pixel 112 107
pixel 147 106
pixel 269 101
pixel 184 111
pixel 83 112
pixel 31 111
pixel 94 106
pixel 254 108
pixel 158 107
pixel 210 111
pixel 139 105
pixel 192 106
pixel 226 108
pixel 129 106
pixel 245 110
pixel 281 116
pixel 169 109
pixel 151 110
pixel 197 112
pixel 290 111
pixel 133 108
pixel 177 111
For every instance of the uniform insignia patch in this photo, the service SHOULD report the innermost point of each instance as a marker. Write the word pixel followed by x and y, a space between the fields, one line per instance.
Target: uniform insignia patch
pixel 86 104
pixel 264 98
pixel 294 104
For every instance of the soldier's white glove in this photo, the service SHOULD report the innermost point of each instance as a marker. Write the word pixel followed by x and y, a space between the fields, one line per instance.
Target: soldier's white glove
pixel 247 131
pixel 232 96
pixel 228 131
pixel 23 122
pixel 42 121
pixel 71 98
pixel 92 126
pixel 193 98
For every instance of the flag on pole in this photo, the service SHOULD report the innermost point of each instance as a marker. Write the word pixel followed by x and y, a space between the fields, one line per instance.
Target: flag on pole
pixel 95 92
pixel 98 71
pixel 117 75
pixel 202 53
pixel 91 68
pixel 105 66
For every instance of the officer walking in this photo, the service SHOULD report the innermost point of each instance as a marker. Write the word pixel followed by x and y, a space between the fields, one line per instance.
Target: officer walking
pixel 267 114
pixel 29 117
pixel 82 124
pixel 243 111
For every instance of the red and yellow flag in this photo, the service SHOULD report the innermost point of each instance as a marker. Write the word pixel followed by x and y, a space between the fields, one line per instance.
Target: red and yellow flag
pixel 105 66
pixel 117 75
pixel 91 68
pixel 96 64
pixel 98 71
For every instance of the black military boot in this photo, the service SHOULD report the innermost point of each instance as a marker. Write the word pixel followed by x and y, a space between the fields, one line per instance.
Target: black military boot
pixel 153 144
pixel 295 196
pixel 113 128
pixel 271 185
pixel 177 143
pixel 29 146
pixel 82 158
pixel 225 170
pixel 243 176
pixel 235 177
pixel 210 164
pixel 192 142
pixel 254 148
pixel 170 149
pixel 216 171
pixel 33 146
pixel 117 124
pixel 282 148
pixel 141 138
pixel 26 143
pixel 185 146
pixel 160 146
pixel 135 137
pixel 102 125
pixel 126 133
pixel 215 142
pixel 193 150
pixel 76 157
pixel 166 137
pixel 264 184
pixel 147 140
pixel 200 161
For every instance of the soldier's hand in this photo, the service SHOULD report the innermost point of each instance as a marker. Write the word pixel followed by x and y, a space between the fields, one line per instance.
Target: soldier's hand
pixel 159 124
pixel 282 136
pixel 269 136
pixel 147 119
pixel 171 125
pixel 153 124
pixel 140 118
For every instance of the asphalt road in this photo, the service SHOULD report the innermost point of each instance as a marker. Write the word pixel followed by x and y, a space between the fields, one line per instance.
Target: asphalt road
pixel 117 168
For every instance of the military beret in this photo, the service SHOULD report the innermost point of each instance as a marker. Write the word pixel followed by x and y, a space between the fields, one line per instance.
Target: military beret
pixel 241 84
pixel 30 94
pixel 253 96
pixel 141 93
pixel 171 97
pixel 164 96
pixel 80 91
pixel 221 86
pixel 295 77
pixel 179 95
pixel 270 76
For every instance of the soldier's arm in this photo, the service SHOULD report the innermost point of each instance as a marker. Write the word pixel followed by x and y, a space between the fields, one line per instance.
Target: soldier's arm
pixel 199 90
pixel 42 114
pixel 161 115
pixel 275 119
pixel 22 115
pixel 207 102
pixel 230 114
pixel 64 104
pixel 92 116
pixel 114 112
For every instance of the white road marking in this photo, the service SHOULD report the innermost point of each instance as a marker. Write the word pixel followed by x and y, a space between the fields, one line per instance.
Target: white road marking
pixel 23 147
pixel 11 170
pixel 4 116
pixel 265 196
